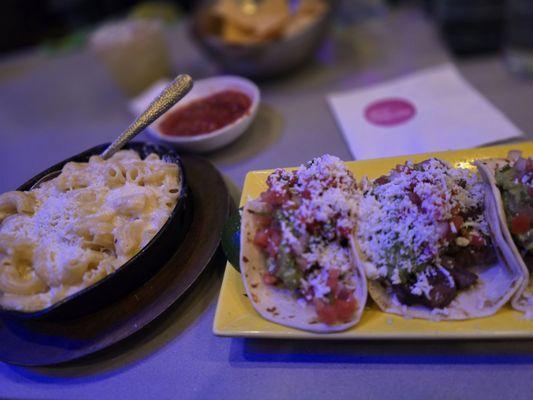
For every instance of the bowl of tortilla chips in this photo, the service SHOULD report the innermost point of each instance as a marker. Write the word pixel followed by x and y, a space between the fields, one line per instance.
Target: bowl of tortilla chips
pixel 261 39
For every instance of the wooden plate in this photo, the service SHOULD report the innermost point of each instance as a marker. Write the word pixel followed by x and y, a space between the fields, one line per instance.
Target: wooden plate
pixel 33 343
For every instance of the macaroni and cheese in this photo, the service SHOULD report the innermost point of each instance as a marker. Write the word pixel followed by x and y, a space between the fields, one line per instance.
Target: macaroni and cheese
pixel 79 227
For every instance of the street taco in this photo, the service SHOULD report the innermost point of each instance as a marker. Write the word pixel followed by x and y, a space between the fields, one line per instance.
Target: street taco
pixel 424 242
pixel 511 192
pixel 297 254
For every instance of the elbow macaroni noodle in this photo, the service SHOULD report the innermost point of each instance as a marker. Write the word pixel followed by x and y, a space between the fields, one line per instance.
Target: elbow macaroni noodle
pixel 76 229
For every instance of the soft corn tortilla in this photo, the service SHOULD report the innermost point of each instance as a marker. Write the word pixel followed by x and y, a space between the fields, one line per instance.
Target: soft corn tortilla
pixel 523 298
pixel 276 304
pixel 495 286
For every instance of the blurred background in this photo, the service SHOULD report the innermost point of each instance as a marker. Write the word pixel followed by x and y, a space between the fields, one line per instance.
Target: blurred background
pixel 83 68
pixel 466 27
pixel 31 22
pixel 73 74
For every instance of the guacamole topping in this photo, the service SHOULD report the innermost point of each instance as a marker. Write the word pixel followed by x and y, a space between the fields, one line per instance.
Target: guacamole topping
pixel 421 227
pixel 304 233
pixel 515 182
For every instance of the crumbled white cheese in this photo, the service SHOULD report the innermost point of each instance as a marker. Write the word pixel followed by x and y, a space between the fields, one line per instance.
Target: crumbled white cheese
pixel 321 194
pixel 403 221
pixel 422 285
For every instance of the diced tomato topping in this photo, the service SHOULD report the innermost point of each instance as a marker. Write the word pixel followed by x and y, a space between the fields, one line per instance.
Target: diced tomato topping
pixel 269 279
pixel 306 194
pixel 341 310
pixel 261 238
pixel 263 219
pixel 382 180
pixel 458 222
pixel 273 198
pixel 520 223
pixel 344 231
pixel 477 241
pixel 326 312
pixel 344 294
pixel 415 199
pixel 275 236
pixel 333 281
pixel 274 239
pixel 529 212
pixel 313 227
pixel 345 308
pixel 268 239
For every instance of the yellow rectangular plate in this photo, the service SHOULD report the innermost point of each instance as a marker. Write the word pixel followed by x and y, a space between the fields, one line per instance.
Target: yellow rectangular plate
pixel 235 315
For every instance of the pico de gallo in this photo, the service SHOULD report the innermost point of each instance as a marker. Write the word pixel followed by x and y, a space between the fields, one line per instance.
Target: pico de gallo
pixel 515 182
pixel 422 227
pixel 304 233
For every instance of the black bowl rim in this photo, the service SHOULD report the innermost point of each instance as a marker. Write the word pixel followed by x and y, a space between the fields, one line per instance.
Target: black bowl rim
pixel 165 153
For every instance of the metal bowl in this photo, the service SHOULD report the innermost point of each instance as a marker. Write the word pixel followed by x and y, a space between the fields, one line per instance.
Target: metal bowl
pixel 264 60
pixel 135 271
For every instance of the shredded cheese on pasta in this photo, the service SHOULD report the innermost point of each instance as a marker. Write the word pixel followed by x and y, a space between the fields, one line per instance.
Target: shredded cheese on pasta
pixel 79 227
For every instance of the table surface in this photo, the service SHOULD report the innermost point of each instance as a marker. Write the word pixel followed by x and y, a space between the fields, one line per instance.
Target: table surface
pixel 52 107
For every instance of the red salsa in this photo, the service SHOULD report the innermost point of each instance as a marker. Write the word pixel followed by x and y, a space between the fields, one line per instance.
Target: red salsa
pixel 206 114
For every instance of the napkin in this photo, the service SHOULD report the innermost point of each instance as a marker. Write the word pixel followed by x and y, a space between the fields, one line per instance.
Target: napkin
pixel 431 110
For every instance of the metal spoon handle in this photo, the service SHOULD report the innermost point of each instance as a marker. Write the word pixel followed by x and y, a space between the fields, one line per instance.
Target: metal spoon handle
pixel 178 88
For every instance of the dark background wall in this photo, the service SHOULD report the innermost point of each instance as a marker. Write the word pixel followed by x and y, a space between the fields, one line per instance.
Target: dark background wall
pixel 29 22
pixel 467 26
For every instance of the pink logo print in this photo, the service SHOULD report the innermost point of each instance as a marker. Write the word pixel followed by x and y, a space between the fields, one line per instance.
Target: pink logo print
pixel 389 112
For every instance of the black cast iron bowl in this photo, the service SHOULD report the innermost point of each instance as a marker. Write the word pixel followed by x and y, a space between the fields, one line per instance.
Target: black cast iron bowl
pixel 135 271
